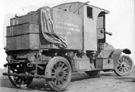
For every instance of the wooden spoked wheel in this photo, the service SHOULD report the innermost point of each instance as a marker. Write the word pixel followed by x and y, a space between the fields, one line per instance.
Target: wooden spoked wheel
pixel 61 69
pixel 124 66
pixel 17 81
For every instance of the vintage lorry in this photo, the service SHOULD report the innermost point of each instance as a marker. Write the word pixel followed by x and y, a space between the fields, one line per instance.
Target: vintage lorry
pixel 52 43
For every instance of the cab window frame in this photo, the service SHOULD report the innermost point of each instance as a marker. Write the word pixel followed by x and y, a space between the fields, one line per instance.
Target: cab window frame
pixel 89 12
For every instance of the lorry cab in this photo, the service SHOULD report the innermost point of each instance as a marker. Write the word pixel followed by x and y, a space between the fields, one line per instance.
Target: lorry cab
pixel 93 23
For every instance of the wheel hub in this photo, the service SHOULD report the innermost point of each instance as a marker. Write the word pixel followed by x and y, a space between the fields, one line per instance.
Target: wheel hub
pixel 59 74
pixel 123 65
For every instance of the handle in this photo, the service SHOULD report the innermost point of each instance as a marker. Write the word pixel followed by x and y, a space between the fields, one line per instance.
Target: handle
pixel 109 33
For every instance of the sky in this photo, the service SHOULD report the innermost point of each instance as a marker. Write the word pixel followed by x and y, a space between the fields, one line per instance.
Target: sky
pixel 120 20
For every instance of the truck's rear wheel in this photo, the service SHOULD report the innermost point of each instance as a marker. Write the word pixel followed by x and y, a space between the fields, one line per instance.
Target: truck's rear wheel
pixel 124 66
pixel 17 81
pixel 61 69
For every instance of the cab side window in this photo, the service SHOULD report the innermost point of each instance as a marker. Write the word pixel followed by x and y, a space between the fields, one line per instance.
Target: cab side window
pixel 89 12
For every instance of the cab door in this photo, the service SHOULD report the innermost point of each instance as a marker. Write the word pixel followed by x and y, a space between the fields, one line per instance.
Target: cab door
pixel 90 33
pixel 101 28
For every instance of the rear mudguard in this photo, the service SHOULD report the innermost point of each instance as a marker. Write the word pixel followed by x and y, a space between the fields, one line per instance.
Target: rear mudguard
pixel 117 53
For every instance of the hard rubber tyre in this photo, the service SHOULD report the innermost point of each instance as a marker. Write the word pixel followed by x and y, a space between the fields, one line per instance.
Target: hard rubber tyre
pixel 124 66
pixel 19 82
pixel 61 69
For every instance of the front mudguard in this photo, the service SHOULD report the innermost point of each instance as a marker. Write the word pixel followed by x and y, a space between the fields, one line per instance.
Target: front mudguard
pixel 117 53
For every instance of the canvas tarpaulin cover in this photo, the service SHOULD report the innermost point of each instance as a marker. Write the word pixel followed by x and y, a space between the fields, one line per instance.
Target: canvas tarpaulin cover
pixel 47 28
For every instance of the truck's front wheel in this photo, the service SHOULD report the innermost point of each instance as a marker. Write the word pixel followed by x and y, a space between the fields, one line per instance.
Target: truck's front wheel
pixel 61 69
pixel 124 66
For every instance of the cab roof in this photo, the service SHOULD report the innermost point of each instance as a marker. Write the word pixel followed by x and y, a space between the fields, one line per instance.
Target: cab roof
pixel 72 3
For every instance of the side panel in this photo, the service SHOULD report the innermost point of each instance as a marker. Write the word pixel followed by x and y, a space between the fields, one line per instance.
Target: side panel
pixel 34 41
pixel 82 64
pixel 69 27
pixel 108 63
pixel 22 36
pixel 21 29
pixel 21 42
pixel 104 59
pixel 90 28
pixel 104 63
pixel 90 35
pixel 99 63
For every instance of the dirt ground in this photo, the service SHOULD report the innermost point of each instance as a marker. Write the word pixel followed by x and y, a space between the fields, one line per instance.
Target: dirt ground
pixel 104 82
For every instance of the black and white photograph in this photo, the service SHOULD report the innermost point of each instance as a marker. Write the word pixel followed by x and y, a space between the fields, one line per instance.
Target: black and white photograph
pixel 67 46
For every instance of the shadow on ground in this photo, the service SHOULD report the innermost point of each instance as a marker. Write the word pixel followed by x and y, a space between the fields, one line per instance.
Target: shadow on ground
pixel 39 84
